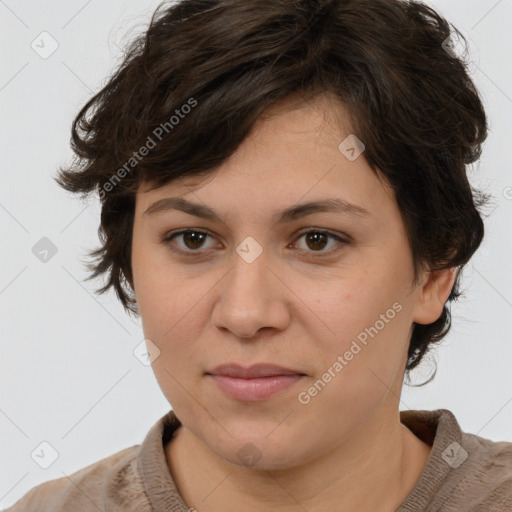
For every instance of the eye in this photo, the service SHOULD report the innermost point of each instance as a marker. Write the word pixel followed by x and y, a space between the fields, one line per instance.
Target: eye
pixel 193 240
pixel 317 239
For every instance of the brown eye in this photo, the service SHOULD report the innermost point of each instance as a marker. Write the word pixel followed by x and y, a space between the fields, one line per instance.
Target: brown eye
pixel 316 240
pixel 192 239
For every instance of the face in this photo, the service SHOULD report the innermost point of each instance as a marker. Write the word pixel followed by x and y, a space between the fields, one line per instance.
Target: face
pixel 328 294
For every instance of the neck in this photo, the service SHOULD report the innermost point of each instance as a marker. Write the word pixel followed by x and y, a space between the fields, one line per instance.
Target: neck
pixel 374 470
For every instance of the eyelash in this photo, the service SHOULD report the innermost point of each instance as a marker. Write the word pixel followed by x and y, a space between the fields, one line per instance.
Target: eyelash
pixel 190 253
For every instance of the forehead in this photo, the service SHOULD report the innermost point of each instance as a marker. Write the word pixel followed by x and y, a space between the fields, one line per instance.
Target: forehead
pixel 291 155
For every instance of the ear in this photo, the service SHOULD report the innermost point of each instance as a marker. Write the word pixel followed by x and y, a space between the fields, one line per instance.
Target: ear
pixel 433 294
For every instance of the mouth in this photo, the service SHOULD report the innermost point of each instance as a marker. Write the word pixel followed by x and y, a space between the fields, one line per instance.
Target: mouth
pixel 255 383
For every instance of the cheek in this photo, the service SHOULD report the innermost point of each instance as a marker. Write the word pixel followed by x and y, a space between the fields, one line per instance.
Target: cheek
pixel 173 309
pixel 173 323
pixel 369 330
pixel 356 307
pixel 158 289
pixel 360 366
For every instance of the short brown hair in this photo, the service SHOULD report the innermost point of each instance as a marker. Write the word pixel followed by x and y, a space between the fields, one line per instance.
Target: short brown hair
pixel 410 99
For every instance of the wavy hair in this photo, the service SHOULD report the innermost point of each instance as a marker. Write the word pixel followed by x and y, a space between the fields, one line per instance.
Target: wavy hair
pixel 391 62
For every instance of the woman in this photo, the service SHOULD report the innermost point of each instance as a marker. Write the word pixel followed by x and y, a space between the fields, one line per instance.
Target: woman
pixel 285 204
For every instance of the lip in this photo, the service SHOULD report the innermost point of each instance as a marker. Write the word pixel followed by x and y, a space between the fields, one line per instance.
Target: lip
pixel 254 371
pixel 255 383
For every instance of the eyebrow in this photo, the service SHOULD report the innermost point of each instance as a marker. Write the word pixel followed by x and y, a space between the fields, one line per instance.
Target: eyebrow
pixel 287 215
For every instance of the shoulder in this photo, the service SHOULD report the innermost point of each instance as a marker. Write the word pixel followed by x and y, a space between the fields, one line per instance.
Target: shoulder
pixel 113 482
pixel 488 477
pixel 464 471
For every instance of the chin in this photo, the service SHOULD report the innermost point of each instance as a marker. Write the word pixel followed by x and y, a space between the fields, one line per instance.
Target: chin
pixel 261 453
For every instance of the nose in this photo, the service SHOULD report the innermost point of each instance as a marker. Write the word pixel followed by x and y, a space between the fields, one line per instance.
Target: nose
pixel 252 297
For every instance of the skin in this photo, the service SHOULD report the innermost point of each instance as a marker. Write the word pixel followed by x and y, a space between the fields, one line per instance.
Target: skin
pixel 346 449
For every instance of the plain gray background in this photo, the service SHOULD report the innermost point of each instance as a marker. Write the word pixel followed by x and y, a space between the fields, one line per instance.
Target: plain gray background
pixel 68 375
